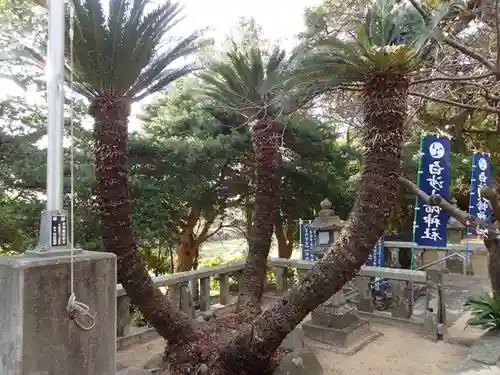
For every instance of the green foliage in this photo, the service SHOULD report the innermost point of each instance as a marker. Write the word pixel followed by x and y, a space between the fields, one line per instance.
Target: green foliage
pixel 394 37
pixel 485 311
pixel 138 319
pixel 19 217
pixel 215 281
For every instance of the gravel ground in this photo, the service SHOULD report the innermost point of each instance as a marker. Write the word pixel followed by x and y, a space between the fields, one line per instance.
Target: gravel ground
pixel 399 351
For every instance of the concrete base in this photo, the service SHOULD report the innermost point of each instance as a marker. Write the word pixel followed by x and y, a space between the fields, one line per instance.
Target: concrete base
pixel 345 334
pixel 36 334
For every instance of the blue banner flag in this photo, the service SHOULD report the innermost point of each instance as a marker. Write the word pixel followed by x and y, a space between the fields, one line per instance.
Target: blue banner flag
pixel 307 239
pixel 434 179
pixel 480 176
pixel 376 257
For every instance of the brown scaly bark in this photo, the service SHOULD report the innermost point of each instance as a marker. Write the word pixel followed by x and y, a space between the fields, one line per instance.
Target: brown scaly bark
pixel 385 101
pixel 111 135
pixel 493 244
pixel 266 140
pixel 493 247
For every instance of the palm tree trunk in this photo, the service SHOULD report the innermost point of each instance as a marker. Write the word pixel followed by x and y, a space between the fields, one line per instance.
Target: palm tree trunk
pixel 385 101
pixel 266 142
pixel 493 247
pixel 111 136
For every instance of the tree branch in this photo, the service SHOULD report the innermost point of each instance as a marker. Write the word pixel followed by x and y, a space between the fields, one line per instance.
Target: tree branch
pixel 490 230
pixel 497 30
pixel 466 50
pixel 491 195
pixel 452 79
pixel 457 104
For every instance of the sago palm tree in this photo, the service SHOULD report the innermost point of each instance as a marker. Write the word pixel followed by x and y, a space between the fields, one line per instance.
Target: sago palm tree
pixel 120 56
pixel 250 83
pixel 392 42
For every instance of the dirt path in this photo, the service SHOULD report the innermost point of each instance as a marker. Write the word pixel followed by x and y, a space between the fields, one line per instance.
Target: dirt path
pixel 398 351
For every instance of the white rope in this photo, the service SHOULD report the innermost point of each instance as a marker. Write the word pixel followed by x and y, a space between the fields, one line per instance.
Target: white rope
pixel 78 311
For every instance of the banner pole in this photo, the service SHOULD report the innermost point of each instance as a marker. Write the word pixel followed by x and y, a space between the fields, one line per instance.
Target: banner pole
pixel 469 211
pixel 300 240
pixel 416 203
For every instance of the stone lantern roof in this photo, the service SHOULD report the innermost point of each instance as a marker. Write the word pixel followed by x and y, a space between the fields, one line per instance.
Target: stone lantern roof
pixel 326 218
pixel 454 223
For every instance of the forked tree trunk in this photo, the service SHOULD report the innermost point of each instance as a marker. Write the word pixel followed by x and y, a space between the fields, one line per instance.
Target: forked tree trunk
pixel 385 102
pixel 187 246
pixel 111 136
pixel 266 142
pixel 186 252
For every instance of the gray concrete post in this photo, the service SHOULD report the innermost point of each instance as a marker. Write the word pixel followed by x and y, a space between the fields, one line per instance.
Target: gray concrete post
pixel 36 334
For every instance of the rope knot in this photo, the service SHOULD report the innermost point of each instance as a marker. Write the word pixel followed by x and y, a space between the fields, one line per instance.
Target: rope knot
pixel 79 311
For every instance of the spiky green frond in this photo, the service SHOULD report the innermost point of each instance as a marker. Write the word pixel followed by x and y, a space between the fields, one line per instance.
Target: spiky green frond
pixel 125 51
pixel 394 37
pixel 247 80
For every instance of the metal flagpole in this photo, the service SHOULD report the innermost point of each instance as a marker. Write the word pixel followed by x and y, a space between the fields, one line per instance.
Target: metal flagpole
pixel 54 221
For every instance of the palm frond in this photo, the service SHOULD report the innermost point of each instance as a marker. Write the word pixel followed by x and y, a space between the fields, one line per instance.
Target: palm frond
pixel 248 80
pixel 394 37
pixel 126 52
pixel 155 72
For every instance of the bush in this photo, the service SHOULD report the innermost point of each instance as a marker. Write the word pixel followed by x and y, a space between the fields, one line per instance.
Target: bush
pixel 139 320
pixel 485 311
pixel 215 281
pixel 233 281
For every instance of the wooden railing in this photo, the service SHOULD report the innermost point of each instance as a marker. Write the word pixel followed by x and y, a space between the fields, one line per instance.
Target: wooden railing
pixel 192 292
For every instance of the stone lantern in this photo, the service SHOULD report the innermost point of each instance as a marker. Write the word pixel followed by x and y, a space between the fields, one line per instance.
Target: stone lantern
pixel 454 232
pixel 327 226
pixel 334 323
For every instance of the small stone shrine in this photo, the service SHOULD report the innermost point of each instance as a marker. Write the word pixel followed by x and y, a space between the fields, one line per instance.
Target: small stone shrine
pixel 334 325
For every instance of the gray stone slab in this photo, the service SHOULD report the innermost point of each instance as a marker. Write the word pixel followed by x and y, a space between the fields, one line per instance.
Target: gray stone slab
pixel 299 362
pixel 456 290
pixel 133 371
pixel 471 367
pixel 486 349
pixel 36 334
pixel 294 340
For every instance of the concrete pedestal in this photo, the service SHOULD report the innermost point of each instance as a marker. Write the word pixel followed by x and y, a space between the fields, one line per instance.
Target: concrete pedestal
pixel 343 334
pixel 335 326
pixel 36 334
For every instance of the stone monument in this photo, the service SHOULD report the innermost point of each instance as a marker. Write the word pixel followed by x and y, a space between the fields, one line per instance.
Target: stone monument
pixel 334 325
pixel 454 236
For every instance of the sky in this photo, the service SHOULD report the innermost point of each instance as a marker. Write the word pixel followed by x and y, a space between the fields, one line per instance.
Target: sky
pixel 280 19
